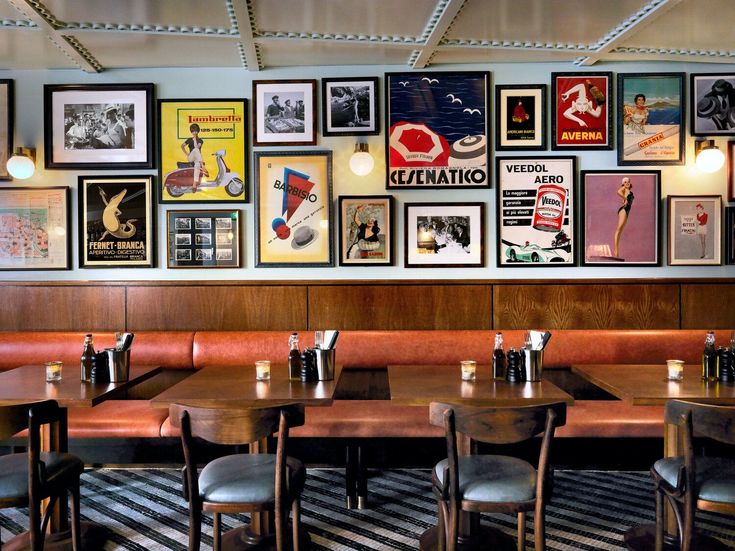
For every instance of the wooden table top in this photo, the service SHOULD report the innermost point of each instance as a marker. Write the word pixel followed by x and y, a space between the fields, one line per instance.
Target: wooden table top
pixel 419 385
pixel 28 384
pixel 214 386
pixel 646 385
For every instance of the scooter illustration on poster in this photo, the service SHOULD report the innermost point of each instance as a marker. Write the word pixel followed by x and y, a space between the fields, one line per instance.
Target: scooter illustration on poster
pixel 180 181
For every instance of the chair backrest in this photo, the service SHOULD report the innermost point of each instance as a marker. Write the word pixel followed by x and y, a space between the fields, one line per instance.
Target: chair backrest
pixel 499 425
pixel 13 419
pixel 708 420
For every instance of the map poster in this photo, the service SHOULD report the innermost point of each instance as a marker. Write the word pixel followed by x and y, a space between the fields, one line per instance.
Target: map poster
pixel 536 205
pixel 293 208
pixel 581 111
pixel 116 222
pixel 437 130
pixel 34 228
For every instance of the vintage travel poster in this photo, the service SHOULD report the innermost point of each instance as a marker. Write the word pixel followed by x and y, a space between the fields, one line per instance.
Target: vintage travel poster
pixel 202 151
pixel 536 211
pixel 580 114
pixel 437 130
pixel 116 222
pixel 293 208
pixel 651 119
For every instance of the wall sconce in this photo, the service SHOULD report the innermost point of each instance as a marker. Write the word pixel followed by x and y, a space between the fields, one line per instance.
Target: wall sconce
pixel 708 155
pixel 22 164
pixel 361 162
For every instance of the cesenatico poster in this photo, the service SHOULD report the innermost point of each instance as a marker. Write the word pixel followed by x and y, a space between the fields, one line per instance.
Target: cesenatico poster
pixel 536 211
pixel 437 130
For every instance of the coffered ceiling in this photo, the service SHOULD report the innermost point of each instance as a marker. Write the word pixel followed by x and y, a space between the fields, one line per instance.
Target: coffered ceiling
pixel 95 35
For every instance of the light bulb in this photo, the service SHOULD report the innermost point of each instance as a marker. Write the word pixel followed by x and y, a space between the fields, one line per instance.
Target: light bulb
pixel 21 167
pixel 361 162
pixel 710 159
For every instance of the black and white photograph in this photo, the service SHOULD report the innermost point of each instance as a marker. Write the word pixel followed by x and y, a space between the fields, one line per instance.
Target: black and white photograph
pixel 183 224
pixel 224 254
pixel 224 238
pixel 207 248
pixel 444 234
pixel 203 254
pixel 223 223
pixel 202 223
pixel 183 239
pixel 183 254
pixel 712 104
pixel 350 106
pixel 99 126
pixel 284 112
pixel 202 239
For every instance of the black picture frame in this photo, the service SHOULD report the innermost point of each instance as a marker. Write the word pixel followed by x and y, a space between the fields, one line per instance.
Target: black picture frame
pixel 691 241
pixel 521 129
pixel 355 111
pixel 297 129
pixel 581 111
pixel 94 145
pixel 7 113
pixel 356 247
pixel 730 235
pixel 203 238
pixel 117 224
pixel 712 104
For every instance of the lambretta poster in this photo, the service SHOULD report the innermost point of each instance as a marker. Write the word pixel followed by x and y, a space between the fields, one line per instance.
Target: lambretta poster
pixel 437 130
pixel 115 214
pixel 535 211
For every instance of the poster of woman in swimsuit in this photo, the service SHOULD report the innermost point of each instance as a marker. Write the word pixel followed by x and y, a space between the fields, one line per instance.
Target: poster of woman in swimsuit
pixel 437 133
pixel 620 217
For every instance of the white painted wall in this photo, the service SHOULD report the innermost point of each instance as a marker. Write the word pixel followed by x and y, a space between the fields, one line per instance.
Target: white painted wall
pixel 232 83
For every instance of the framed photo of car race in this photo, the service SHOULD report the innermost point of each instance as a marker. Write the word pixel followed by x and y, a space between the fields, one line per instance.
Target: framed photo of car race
pixel 729 235
pixel 98 126
pixel 293 208
pixel 442 235
pixel 350 106
pixel 437 130
pixel 116 222
pixel 7 102
pixel 520 117
pixel 284 112
pixel 581 111
pixel 712 109
pixel 203 238
pixel 536 203
pixel 366 233
pixel 650 119
pixel 695 230
pixel 621 222
pixel 202 145
pixel 35 230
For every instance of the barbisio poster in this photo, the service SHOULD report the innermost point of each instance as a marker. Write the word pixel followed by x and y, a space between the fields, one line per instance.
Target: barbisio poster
pixel 437 130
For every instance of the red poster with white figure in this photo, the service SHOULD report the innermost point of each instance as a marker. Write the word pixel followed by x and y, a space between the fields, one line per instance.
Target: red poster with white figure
pixel 581 110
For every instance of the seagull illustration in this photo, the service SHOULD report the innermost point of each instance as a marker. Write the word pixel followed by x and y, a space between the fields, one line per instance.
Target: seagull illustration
pixel 403 83
pixel 454 99
pixel 430 80
pixel 470 111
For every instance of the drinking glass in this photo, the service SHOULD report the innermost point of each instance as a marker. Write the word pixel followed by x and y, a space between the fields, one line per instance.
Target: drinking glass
pixel 53 371
pixel 469 370
pixel 675 370
pixel 263 370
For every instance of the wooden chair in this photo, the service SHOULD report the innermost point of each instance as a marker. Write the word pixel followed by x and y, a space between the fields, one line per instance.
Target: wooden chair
pixel 241 482
pixel 493 483
pixel 689 482
pixel 29 477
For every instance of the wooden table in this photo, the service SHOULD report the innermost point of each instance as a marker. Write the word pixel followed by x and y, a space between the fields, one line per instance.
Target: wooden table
pixel 228 386
pixel 647 385
pixel 419 385
pixel 28 384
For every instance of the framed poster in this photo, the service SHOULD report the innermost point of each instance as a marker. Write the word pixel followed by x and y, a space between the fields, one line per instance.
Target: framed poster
pixel 713 104
pixel 202 147
pixel 729 235
pixel 520 117
pixel 695 230
pixel 440 235
pixel 98 126
pixel 350 106
pixel 34 228
pixel 621 224
pixel 651 119
pixel 7 101
pixel 731 171
pixel 203 238
pixel 366 233
pixel 293 208
pixel 535 224
pixel 116 222
pixel 437 130
pixel 284 112
pixel 581 112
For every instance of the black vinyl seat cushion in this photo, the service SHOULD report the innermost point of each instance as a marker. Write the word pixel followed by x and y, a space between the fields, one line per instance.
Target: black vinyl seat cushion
pixel 715 476
pixel 14 471
pixel 247 478
pixel 492 478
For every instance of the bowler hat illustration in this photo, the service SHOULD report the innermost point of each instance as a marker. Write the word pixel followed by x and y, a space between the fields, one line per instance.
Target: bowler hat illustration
pixel 719 88
pixel 303 237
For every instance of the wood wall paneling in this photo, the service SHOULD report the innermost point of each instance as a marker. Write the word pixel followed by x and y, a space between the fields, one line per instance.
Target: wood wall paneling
pixel 77 308
pixel 594 306
pixel 708 306
pixel 216 308
pixel 396 307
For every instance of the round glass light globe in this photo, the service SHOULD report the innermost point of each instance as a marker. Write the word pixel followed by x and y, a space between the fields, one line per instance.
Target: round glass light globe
pixel 21 167
pixel 362 163
pixel 710 160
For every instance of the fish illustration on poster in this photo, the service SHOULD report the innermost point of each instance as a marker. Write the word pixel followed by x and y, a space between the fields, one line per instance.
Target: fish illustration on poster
pixel 437 130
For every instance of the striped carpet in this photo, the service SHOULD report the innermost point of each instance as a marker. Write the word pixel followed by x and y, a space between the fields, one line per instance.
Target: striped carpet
pixel 590 510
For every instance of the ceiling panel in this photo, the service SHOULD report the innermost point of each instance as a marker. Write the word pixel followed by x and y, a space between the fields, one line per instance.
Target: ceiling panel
pixel 368 17
pixel 203 13
pixel 30 49
pixel 477 55
pixel 284 54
